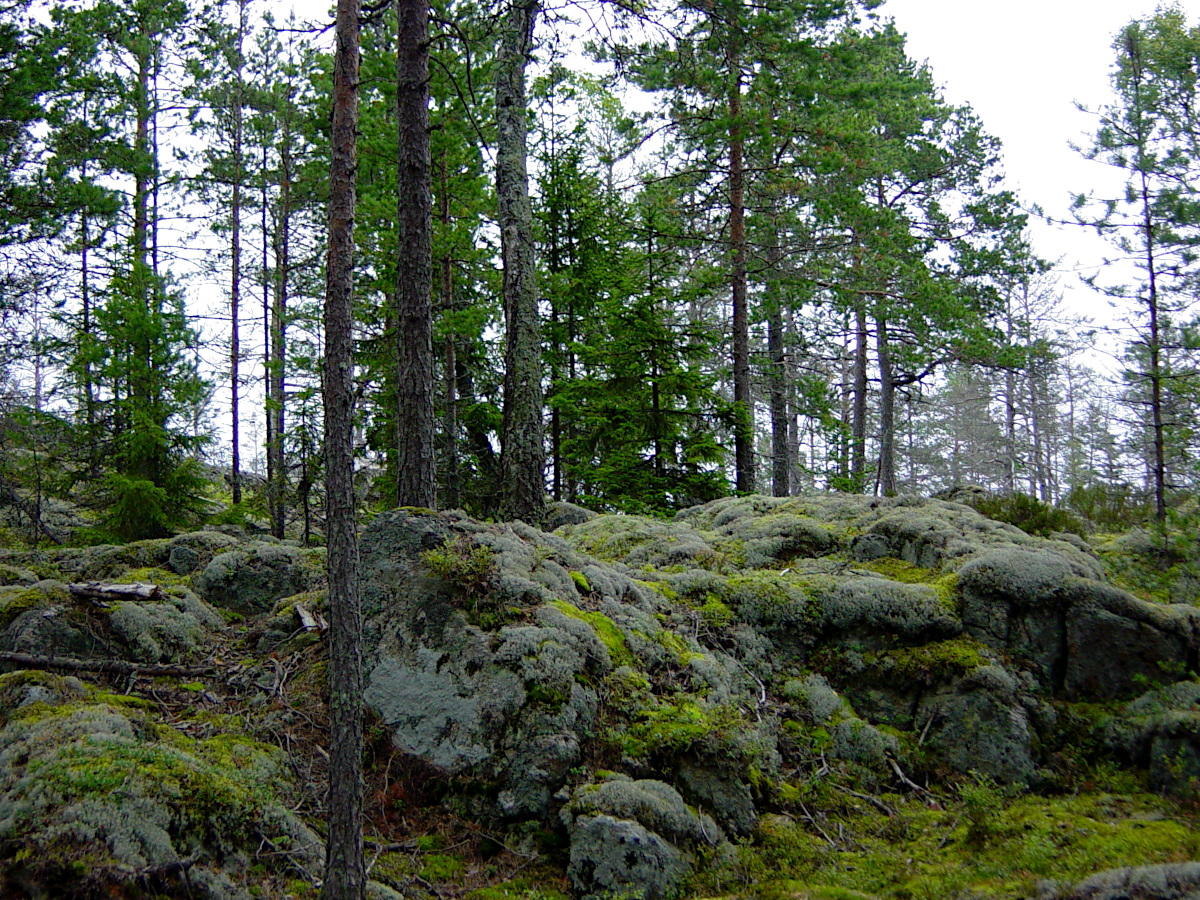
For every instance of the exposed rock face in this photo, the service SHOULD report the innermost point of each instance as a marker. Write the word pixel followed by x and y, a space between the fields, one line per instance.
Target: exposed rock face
pixel 632 838
pixel 1051 613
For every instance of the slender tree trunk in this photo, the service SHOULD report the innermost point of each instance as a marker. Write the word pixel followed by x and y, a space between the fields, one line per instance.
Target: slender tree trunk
pixel 266 321
pixel 523 456
pixel 235 253
pixel 858 415
pixel 743 435
pixel 276 453
pixel 345 873
pixel 450 360
pixel 416 483
pixel 887 411
pixel 1159 461
pixel 777 384
pixel 1010 410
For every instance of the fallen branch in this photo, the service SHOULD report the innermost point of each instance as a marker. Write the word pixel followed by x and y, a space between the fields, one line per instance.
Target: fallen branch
pixel 904 779
pixel 874 801
pixel 101 592
pixel 107 666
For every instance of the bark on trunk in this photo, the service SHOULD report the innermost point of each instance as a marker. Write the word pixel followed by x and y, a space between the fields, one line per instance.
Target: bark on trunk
pixel 858 415
pixel 887 412
pixel 777 383
pixel 416 483
pixel 235 275
pixel 345 874
pixel 523 452
pixel 743 435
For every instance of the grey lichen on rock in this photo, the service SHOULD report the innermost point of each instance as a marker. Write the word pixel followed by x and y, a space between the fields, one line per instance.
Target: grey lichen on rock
pixel 252 578
pixel 978 724
pixel 95 777
pixel 633 838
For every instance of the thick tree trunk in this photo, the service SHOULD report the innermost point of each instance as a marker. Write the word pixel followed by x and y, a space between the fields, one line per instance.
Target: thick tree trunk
pixel 416 483
pixel 523 456
pixel 450 355
pixel 743 435
pixel 345 873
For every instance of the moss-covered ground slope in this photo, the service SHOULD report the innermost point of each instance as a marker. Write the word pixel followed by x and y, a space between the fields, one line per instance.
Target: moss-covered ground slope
pixel 815 697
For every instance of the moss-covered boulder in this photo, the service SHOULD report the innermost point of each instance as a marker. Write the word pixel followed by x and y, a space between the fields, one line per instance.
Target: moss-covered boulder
pixel 634 838
pixel 251 578
pixel 1170 881
pixel 46 619
pixel 98 799
pixel 978 724
pixel 490 649
pixel 1049 612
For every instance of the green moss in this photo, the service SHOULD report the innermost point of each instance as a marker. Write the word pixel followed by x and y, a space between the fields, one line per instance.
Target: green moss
pixel 524 887
pixel 154 575
pixel 929 853
pixel 676 646
pixel 898 570
pixel 581 582
pixel 931 664
pixel 14 602
pixel 715 613
pixel 672 725
pixel 418 510
pixel 606 629
pixel 441 867
pixel 466 565
pixel 662 588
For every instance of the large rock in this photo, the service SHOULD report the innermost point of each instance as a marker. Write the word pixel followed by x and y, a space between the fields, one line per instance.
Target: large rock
pixel 488 648
pixel 44 619
pixel 252 578
pixel 979 724
pixel 1047 610
pixel 633 838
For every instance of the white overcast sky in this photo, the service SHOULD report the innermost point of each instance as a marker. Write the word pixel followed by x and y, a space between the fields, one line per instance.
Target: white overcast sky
pixel 1022 65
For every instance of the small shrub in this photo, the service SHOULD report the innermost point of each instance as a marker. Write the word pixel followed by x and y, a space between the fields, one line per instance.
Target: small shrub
pixel 1029 514
pixel 466 565
pixel 982 804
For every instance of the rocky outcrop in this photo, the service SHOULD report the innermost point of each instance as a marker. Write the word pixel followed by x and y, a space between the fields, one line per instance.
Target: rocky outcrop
pixel 1053 615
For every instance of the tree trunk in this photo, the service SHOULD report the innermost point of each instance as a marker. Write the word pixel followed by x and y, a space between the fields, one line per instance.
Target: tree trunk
pixel 858 415
pixel 743 435
pixel 887 411
pixel 416 483
pixel 777 383
pixel 235 254
pixel 523 456
pixel 1159 462
pixel 450 357
pixel 345 873
pixel 276 453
